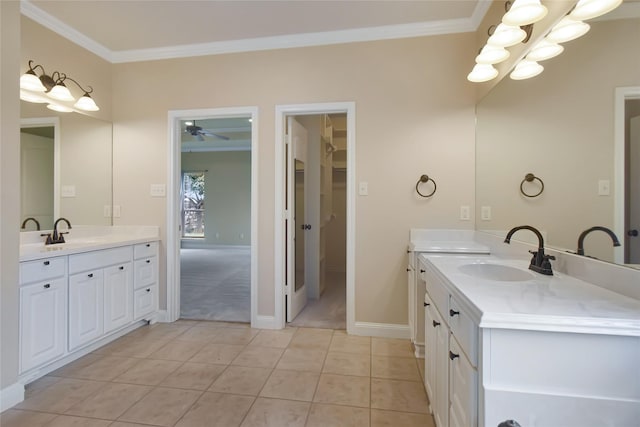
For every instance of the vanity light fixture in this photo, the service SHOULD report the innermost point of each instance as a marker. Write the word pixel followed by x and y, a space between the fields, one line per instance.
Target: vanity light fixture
pixel 567 29
pixel 588 9
pixel 54 86
pixel 482 73
pixel 524 12
pixel 526 69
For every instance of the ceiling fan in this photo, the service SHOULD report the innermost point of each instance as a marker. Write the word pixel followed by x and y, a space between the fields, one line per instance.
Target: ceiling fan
pixel 200 133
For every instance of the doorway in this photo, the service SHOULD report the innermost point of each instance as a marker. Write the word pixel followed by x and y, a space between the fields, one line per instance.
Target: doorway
pixel 212 215
pixel 314 253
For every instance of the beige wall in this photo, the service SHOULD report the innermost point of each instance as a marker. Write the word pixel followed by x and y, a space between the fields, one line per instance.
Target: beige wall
pixel 227 195
pixel 415 115
pixel 10 200
pixel 558 125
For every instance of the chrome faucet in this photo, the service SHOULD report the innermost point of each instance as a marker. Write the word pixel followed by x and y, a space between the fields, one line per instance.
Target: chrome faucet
pixel 24 223
pixel 611 234
pixel 539 262
pixel 57 237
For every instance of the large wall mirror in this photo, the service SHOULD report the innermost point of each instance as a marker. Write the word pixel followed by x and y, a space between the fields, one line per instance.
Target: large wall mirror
pixel 561 126
pixel 66 167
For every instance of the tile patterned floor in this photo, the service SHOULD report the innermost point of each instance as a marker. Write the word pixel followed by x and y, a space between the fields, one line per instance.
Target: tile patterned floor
pixel 208 374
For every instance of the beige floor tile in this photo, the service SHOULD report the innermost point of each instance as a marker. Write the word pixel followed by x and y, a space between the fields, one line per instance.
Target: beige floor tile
pixel 18 418
pixel 163 406
pixel 391 347
pixel 200 334
pixel 160 331
pixel 178 350
pixel 105 369
pixel 347 364
pixel 393 419
pixel 403 396
pixel 277 339
pixel 39 385
pixel 311 339
pixel 148 372
pixel 345 343
pixel 69 421
pixel 343 390
pixel 217 410
pixel 193 376
pixel 421 368
pixel 295 359
pixel 397 368
pixel 68 370
pixel 276 413
pixel 131 346
pixel 291 385
pixel 238 336
pixel 109 402
pixel 220 354
pixel 241 380
pixel 61 396
pixel 124 424
pixel 258 357
pixel 322 415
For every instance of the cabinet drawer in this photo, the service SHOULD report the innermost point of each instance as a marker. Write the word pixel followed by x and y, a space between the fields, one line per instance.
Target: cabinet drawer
pixel 145 301
pixel 145 250
pixel 438 293
pixel 42 269
pixel 464 329
pixel 98 259
pixel 145 272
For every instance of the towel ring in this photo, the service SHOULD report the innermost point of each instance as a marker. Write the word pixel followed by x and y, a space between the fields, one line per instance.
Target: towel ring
pixel 425 179
pixel 530 178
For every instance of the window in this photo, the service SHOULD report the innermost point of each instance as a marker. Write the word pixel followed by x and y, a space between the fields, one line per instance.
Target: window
pixel 193 204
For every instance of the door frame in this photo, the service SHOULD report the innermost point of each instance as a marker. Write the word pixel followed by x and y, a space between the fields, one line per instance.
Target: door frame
pixel 282 111
pixel 619 168
pixel 173 202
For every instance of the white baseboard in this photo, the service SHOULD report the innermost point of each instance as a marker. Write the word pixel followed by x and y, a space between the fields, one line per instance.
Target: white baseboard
pixel 162 316
pixel 265 322
pixel 381 330
pixel 11 396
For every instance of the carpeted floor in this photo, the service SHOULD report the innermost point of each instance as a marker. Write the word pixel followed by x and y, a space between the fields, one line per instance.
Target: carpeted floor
pixel 215 284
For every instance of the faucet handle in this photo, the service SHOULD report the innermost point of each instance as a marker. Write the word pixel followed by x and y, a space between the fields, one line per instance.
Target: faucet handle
pixel 49 239
pixel 61 236
pixel 551 257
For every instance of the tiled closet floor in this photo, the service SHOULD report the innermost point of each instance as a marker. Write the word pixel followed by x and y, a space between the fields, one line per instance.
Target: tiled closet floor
pixel 208 374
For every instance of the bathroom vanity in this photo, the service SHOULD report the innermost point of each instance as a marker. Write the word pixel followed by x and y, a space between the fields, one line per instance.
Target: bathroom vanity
pixel 79 295
pixel 505 343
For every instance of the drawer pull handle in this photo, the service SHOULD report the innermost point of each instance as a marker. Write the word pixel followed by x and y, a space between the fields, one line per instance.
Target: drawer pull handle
pixel 47 286
pixel 452 355
pixel 121 268
pixel 46 263
pixel 90 274
pixel 148 289
pixel 453 313
pixel 422 271
pixel 436 324
pixel 148 261
pixel 426 304
pixel 148 245
pixel 408 269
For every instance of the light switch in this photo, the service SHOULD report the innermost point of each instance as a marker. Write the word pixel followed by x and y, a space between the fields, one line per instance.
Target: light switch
pixel 68 191
pixel 158 190
pixel 106 211
pixel 485 213
pixel 116 211
pixel 363 188
pixel 465 214
pixel 604 187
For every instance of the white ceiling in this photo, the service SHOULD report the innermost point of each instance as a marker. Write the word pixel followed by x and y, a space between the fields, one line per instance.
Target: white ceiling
pixel 125 31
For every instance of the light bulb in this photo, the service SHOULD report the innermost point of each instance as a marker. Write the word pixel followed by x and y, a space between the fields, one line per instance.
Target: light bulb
pixel 524 12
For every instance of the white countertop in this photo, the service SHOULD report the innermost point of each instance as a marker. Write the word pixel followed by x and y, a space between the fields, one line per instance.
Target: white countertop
pixel 84 239
pixel 549 303
pixel 448 246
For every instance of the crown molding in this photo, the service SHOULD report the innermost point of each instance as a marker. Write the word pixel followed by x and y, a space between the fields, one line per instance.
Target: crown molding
pixel 389 32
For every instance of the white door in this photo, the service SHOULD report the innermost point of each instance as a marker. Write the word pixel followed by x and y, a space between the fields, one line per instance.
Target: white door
pixel 296 225
pixel 633 226
pixel 86 307
pixel 118 296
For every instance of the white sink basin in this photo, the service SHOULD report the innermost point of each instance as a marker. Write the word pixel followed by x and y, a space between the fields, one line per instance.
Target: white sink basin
pixel 499 272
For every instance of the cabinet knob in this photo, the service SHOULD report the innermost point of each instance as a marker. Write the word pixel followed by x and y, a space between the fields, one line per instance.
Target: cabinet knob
pixel 148 289
pixel 148 245
pixel 121 268
pixel 452 355
pixel 453 313
pixel 47 286
pixel 90 275
pixel 46 263
pixel 426 304
pixel 436 324
pixel 408 269
pixel 422 271
pixel 148 261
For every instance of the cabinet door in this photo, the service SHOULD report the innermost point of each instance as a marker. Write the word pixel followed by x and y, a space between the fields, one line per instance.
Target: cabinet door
pixel 430 325
pixel 146 272
pixel 441 412
pixel 118 296
pixel 411 290
pixel 145 301
pixel 462 388
pixel 43 314
pixel 86 307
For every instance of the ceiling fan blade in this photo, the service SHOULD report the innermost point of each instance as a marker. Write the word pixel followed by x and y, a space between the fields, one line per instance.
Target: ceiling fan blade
pixel 199 137
pixel 206 132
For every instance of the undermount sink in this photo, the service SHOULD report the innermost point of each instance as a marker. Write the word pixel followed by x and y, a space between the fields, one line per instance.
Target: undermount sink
pixel 499 272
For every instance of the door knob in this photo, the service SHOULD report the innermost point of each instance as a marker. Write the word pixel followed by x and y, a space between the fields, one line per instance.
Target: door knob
pixel 305 227
pixel 632 233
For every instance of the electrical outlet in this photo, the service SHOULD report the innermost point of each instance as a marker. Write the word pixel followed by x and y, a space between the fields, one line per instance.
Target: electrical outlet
pixel 68 191
pixel 604 187
pixel 363 188
pixel 465 213
pixel 485 213
pixel 158 190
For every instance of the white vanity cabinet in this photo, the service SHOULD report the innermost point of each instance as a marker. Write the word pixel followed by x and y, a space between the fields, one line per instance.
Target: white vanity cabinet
pixel 43 311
